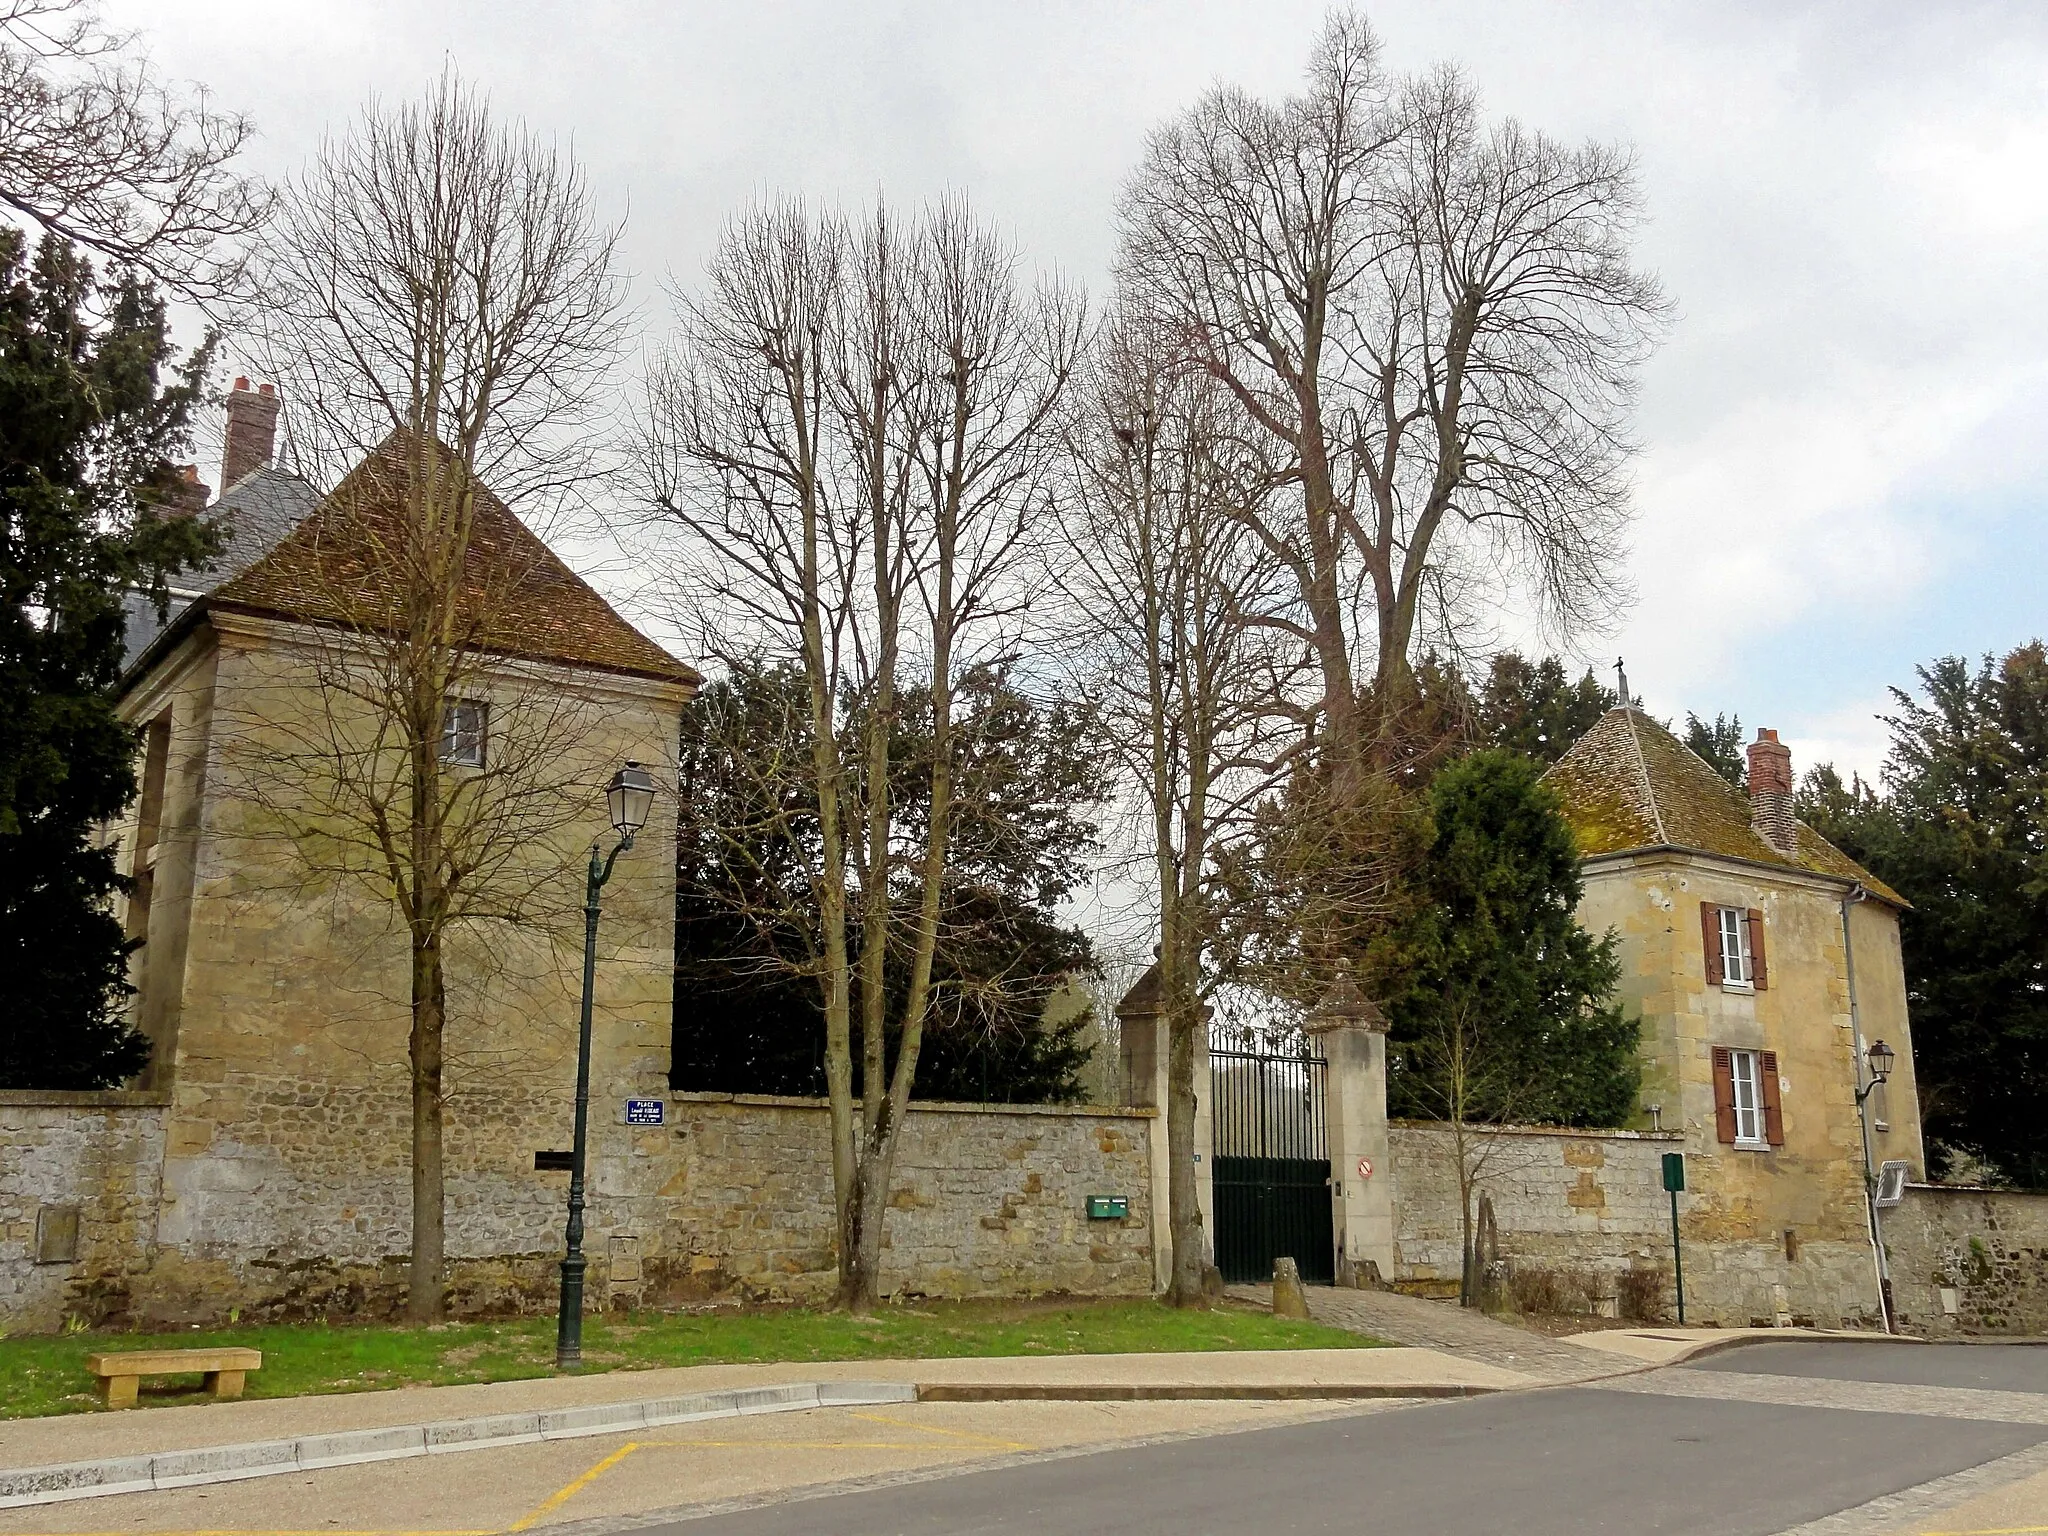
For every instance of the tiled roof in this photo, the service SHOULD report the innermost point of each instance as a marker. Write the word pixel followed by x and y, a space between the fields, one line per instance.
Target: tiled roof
pixel 1628 783
pixel 341 565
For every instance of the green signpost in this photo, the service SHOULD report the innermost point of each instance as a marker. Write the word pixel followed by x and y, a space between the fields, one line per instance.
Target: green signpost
pixel 1674 1184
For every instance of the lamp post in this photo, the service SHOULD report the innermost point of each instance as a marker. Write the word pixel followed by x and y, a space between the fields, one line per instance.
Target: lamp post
pixel 629 797
pixel 1878 1060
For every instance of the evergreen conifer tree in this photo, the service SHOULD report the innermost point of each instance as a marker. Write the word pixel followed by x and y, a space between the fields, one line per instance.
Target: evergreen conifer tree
pixel 1492 953
pixel 88 511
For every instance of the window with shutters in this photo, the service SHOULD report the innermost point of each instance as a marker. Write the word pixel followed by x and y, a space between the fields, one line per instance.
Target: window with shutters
pixel 1735 951
pixel 1749 1098
pixel 1748 1104
pixel 1733 939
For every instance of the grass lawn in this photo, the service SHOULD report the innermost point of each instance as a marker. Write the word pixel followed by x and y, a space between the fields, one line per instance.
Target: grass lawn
pixel 46 1374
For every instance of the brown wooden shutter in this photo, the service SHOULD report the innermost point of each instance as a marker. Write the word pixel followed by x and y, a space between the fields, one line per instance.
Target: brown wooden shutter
pixel 1759 973
pixel 1710 937
pixel 1774 1113
pixel 1724 1095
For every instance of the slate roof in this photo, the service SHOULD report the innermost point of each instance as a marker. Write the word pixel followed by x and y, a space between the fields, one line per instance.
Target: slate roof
pixel 336 562
pixel 1629 784
pixel 256 513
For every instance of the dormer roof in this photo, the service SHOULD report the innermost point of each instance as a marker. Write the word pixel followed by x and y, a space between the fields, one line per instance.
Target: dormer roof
pixel 1628 785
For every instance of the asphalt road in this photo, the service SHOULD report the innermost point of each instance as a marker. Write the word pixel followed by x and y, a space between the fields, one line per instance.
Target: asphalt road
pixel 1572 1460
pixel 1987 1367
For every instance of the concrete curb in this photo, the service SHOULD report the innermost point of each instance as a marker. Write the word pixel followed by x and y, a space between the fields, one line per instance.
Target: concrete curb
pixel 1703 1347
pixel 1040 1392
pixel 268 1458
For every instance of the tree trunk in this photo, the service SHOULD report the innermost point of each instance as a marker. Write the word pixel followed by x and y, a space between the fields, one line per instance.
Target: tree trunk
pixel 1190 1245
pixel 860 1288
pixel 1466 1291
pixel 426 1287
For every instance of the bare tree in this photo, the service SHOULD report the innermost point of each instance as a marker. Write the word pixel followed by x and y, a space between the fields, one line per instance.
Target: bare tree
pixel 853 439
pixel 1475 1089
pixel 1436 325
pixel 96 150
pixel 1166 579
pixel 442 308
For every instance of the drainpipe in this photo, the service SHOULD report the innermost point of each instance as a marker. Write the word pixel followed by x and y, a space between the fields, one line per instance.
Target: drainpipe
pixel 1884 1291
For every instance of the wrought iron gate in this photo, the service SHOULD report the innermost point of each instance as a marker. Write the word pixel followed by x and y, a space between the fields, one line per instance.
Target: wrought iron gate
pixel 1271 1173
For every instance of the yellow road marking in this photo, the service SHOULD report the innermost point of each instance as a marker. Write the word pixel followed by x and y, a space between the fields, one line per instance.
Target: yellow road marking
pixel 934 1429
pixel 569 1490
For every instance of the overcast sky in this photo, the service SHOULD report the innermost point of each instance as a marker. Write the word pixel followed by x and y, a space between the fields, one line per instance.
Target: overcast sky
pixel 1844 471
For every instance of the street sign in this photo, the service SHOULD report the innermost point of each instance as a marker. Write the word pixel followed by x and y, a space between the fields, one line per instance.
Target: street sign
pixel 1674 1185
pixel 644 1111
pixel 1365 1167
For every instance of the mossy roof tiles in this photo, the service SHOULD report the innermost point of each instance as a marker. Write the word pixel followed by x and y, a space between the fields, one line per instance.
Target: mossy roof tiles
pixel 1630 784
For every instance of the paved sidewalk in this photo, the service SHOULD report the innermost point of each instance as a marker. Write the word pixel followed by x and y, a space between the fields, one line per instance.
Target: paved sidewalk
pixel 1450 1329
pixel 1305 1374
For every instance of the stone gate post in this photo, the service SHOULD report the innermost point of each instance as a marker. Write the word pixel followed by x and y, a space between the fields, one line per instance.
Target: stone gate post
pixel 1352 1034
pixel 1141 1020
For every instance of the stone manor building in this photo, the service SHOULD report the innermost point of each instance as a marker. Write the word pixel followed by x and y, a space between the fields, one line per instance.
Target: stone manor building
pixel 1764 962
pixel 271 976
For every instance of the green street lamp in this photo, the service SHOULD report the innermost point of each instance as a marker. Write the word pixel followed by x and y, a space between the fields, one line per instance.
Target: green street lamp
pixel 1877 1062
pixel 629 797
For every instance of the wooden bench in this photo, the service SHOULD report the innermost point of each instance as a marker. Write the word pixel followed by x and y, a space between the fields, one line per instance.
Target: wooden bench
pixel 121 1375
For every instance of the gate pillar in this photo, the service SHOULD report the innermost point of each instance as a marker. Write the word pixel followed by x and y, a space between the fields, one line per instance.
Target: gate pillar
pixel 1141 1021
pixel 1352 1033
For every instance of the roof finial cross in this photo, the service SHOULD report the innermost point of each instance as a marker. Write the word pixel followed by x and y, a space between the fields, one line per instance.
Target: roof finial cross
pixel 1621 684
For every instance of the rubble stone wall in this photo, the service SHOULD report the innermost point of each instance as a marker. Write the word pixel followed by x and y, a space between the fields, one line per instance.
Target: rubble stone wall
pixel 1969 1261
pixel 735 1199
pixel 79 1185
pixel 730 1198
pixel 1593 1202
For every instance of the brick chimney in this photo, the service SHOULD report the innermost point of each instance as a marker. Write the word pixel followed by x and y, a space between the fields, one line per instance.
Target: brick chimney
pixel 190 495
pixel 1770 792
pixel 252 431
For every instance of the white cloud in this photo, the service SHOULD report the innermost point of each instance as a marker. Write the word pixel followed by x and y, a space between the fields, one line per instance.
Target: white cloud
pixel 1853 738
pixel 1846 200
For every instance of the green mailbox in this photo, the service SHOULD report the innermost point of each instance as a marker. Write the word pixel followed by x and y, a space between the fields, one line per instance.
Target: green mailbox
pixel 1674 1172
pixel 1108 1207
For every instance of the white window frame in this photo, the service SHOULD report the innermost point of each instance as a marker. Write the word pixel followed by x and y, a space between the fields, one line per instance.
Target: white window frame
pixel 463 741
pixel 1738 965
pixel 1746 1076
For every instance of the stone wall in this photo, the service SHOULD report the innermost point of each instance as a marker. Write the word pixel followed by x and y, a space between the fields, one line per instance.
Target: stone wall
pixel 735 1199
pixel 1587 1200
pixel 1969 1261
pixel 1594 1202
pixel 731 1198
pixel 78 1201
